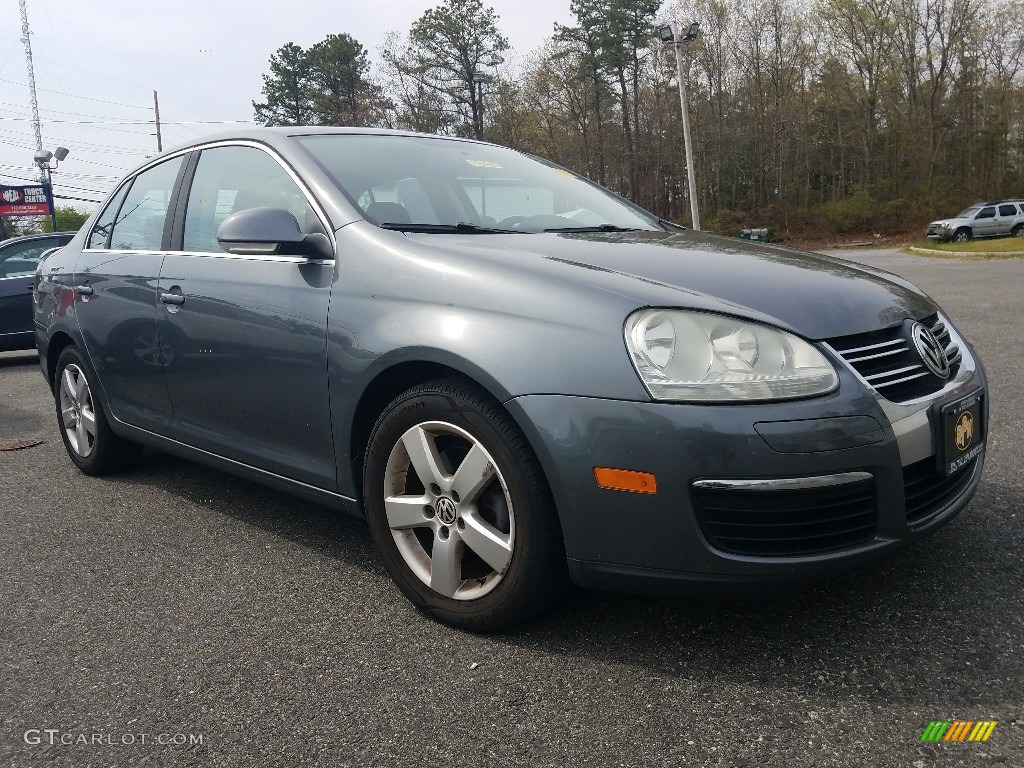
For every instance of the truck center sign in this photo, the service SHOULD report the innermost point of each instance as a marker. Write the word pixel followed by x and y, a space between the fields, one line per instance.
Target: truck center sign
pixel 32 200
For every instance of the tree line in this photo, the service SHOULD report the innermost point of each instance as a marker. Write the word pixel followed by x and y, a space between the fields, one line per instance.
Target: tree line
pixel 816 117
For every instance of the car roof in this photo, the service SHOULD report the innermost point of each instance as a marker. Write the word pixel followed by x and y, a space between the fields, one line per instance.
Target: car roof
pixel 277 133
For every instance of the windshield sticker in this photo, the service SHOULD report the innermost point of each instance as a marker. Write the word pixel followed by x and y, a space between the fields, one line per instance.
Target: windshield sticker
pixel 483 164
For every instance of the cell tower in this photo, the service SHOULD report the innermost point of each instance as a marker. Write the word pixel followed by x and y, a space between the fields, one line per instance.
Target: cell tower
pixel 25 32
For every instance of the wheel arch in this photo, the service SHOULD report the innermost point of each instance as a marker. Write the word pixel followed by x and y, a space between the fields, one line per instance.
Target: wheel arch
pixel 392 377
pixel 58 343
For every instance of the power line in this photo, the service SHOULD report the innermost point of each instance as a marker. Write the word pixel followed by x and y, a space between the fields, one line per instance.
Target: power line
pixel 58 111
pixel 183 123
pixel 82 199
pixel 76 96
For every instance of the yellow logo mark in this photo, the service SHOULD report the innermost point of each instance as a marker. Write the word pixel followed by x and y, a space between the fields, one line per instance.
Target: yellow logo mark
pixel 964 431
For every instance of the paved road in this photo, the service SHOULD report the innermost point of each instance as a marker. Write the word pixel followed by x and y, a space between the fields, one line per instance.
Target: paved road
pixel 178 600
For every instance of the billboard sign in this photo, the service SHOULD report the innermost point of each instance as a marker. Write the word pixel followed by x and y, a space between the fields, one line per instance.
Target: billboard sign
pixel 29 200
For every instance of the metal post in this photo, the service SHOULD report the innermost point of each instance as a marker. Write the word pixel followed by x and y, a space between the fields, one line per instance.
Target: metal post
pixel 480 108
pixel 53 204
pixel 694 213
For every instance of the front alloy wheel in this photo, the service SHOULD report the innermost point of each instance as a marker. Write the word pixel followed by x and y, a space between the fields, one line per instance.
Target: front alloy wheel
pixel 460 509
pixel 449 510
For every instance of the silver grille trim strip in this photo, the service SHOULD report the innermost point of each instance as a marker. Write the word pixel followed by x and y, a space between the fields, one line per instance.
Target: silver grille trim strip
pixel 784 483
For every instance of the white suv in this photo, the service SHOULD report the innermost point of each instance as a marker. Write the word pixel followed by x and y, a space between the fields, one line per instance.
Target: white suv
pixel 995 219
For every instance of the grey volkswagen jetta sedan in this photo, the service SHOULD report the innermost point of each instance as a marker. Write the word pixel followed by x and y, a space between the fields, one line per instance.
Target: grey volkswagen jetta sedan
pixel 517 377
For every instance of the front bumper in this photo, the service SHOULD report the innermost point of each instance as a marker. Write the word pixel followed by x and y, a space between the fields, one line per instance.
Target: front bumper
pixel 665 541
pixel 935 232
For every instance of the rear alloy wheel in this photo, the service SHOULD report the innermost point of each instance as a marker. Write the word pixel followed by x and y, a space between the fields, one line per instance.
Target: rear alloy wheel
pixel 962 235
pixel 89 441
pixel 1018 231
pixel 460 509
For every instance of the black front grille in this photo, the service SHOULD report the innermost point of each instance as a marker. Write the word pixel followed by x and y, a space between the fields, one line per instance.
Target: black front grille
pixel 928 491
pixel 787 523
pixel 888 361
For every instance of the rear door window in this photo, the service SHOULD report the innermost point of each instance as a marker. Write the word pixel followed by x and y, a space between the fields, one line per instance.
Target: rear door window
pixel 1008 210
pixel 99 237
pixel 142 218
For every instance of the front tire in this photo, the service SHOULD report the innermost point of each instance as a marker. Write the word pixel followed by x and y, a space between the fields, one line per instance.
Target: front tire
pixel 90 442
pixel 460 510
pixel 962 235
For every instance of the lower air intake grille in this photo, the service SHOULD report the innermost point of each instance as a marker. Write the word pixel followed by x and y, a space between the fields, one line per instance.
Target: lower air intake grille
pixel 889 362
pixel 928 491
pixel 787 523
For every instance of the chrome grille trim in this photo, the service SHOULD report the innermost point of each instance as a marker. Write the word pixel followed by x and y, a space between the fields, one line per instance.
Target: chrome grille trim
pixel 886 374
pixel 886 361
pixel 869 347
pixel 865 358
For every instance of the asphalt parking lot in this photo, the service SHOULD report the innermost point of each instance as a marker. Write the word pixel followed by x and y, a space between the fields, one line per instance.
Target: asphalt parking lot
pixel 178 603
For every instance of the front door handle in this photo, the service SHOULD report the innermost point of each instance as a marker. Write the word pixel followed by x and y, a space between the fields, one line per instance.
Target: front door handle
pixel 84 290
pixel 172 298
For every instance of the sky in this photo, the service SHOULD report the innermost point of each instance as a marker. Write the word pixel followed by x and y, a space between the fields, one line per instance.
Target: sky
pixel 97 64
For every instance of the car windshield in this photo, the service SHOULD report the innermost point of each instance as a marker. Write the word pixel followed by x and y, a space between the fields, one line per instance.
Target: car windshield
pixel 968 213
pixel 424 184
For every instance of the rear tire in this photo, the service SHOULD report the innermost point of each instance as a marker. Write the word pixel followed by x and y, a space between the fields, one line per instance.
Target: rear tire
pixel 460 509
pixel 1018 231
pixel 90 442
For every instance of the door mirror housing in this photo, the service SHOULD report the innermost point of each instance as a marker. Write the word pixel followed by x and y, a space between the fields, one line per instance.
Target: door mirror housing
pixel 270 232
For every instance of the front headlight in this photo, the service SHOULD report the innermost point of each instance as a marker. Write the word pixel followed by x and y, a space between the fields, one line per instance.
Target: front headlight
pixel 698 357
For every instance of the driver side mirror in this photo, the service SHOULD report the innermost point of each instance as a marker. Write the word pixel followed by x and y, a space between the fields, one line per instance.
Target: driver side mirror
pixel 270 232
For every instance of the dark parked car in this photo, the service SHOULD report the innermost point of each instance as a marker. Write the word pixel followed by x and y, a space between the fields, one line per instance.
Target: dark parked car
pixel 19 258
pixel 518 377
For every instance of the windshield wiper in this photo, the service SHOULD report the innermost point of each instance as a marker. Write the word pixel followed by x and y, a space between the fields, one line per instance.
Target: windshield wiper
pixel 462 228
pixel 597 228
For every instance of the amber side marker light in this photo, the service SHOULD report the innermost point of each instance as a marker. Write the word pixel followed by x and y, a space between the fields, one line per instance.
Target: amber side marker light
pixel 625 480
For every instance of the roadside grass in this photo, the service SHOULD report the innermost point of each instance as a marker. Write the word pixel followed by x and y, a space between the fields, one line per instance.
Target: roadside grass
pixel 995 248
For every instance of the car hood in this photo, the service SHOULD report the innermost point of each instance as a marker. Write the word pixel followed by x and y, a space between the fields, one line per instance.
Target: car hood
pixel 813 295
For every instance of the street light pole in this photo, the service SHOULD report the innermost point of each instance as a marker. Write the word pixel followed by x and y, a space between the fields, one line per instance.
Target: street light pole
pixel 489 59
pixel 42 158
pixel 668 35
pixel 479 78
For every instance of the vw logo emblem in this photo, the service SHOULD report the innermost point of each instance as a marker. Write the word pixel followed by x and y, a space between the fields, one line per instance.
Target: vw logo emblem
pixel 931 351
pixel 445 509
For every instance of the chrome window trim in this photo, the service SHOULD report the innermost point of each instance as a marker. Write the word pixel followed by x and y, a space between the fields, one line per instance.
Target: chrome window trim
pixel 303 187
pixel 784 483
pixel 210 255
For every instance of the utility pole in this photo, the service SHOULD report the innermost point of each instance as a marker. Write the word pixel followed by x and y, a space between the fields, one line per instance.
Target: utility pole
pixel 687 141
pixel 156 109
pixel 670 36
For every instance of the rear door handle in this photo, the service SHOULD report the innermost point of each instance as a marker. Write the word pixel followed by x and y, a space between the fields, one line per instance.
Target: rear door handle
pixel 85 290
pixel 172 298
